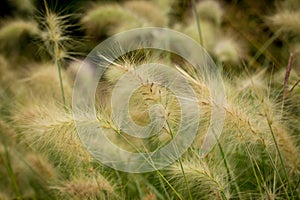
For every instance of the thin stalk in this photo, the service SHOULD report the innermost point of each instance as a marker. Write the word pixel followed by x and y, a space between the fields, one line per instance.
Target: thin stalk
pixel 280 156
pixel 297 83
pixel 169 184
pixel 139 188
pixel 163 186
pixel 277 172
pixel 273 137
pixel 151 163
pixel 274 177
pixel 296 186
pixel 198 22
pixel 58 64
pixel 55 52
pixel 228 169
pixel 181 166
pixel 11 174
pixel 254 171
pixel 264 47
pixel 286 78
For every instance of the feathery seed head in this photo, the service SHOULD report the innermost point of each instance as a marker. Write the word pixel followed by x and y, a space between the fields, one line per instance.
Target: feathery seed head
pixel 43 83
pixel 205 181
pixel 11 31
pixel 16 36
pixel 6 75
pixel 228 50
pixel 87 188
pixel 108 20
pixel 26 6
pixel 147 10
pixel 41 165
pixel 210 10
pixel 51 130
pixel 286 20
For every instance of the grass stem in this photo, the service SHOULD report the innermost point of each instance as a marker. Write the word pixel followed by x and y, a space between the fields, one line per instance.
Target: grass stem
pixel 198 22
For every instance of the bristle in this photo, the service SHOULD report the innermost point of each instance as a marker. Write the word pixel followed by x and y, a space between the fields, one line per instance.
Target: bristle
pixel 55 37
pixel 245 83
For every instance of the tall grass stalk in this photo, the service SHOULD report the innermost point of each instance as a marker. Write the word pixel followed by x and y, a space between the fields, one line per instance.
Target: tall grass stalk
pixel 198 22
pixel 286 79
pixel 58 64
pixel 269 122
pixel 11 173
pixel 151 163
pixel 180 163
pixel 230 178
pixel 55 36
pixel 280 156
pixel 253 169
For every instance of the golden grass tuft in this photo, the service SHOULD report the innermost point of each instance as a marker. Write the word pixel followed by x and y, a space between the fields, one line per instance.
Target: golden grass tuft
pixel 96 187
pixel 228 50
pixel 12 31
pixel 25 6
pixel 51 130
pixel 41 166
pixel 147 10
pixel 286 20
pixel 108 20
pixel 205 181
pixel 42 82
pixel 210 10
pixel 16 36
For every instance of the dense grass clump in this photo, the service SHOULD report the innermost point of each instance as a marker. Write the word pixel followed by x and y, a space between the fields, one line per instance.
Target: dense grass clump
pixel 255 46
